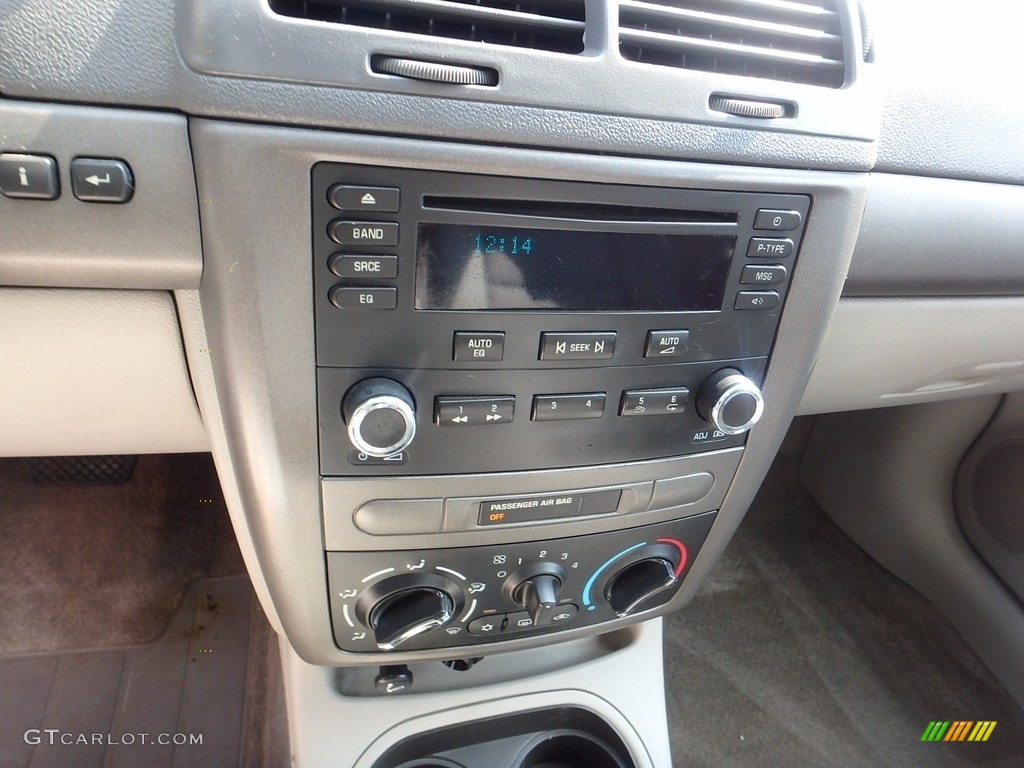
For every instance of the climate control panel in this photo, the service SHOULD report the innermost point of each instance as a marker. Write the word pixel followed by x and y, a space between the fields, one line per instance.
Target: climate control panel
pixel 464 596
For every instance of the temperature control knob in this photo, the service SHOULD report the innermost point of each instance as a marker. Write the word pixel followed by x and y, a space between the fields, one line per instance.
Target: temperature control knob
pixel 381 416
pixel 535 587
pixel 403 607
pixel 629 589
pixel 730 401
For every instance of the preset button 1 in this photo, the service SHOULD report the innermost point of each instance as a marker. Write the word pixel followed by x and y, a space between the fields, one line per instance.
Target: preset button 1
pixel 454 411
pixel 577 346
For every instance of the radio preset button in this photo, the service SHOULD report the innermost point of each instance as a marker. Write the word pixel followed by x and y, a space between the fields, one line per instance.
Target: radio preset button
pixel 452 411
pixel 756 300
pixel 577 346
pixel 666 344
pixel 347 197
pixel 349 266
pixel 654 402
pixel 778 220
pixel 478 346
pixel 763 274
pixel 770 248
pixel 363 232
pixel 585 405
pixel 347 297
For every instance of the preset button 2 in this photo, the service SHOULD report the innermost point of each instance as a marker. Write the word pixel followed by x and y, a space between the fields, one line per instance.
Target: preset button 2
pixel 577 346
pixel 455 411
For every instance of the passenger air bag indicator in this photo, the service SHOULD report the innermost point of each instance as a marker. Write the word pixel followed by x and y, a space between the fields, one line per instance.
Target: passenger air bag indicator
pixel 524 509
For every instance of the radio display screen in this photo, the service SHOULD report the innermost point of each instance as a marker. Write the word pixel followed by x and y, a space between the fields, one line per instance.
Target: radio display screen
pixel 462 266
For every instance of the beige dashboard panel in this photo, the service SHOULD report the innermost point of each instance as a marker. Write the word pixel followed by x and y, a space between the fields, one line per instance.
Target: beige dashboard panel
pixel 89 372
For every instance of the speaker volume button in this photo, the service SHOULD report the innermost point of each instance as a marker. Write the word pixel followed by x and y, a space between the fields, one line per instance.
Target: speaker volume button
pixel 380 415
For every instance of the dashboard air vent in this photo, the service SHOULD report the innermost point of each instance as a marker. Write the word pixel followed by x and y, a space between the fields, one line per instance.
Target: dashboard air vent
pixel 548 25
pixel 798 41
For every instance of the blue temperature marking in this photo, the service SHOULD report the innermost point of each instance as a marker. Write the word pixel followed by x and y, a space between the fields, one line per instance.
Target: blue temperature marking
pixel 593 578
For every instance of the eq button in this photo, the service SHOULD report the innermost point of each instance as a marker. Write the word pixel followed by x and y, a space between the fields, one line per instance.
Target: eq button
pixel 344 297
pixel 577 346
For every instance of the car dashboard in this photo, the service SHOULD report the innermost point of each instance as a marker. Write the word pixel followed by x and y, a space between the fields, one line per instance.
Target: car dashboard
pixel 494 316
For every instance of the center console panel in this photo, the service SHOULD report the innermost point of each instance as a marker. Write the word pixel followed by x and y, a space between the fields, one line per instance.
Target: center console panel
pixel 469 325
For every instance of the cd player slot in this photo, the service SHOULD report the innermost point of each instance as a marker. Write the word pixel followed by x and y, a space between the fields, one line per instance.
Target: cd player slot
pixel 555 209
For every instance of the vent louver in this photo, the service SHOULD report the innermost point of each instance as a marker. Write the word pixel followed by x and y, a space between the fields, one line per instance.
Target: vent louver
pixel 797 41
pixel 548 25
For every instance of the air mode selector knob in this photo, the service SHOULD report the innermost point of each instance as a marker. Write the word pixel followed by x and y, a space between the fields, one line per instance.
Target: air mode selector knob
pixel 730 401
pixel 380 415
pixel 403 607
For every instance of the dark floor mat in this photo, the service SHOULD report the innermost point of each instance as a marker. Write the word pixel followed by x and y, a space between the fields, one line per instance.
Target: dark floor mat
pixel 89 566
pixel 801 650
pixel 114 706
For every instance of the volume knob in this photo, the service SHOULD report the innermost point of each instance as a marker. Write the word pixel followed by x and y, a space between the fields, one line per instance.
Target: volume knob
pixel 730 401
pixel 381 416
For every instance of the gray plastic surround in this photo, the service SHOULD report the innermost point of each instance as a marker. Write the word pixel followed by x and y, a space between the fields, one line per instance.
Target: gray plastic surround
pixel 150 242
pixel 618 676
pixel 167 56
pixel 256 300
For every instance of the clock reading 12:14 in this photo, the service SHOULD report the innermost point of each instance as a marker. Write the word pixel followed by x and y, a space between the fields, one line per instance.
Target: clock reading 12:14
pixel 511 245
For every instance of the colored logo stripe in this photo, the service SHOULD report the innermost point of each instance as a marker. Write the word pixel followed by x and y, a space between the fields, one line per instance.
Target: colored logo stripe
pixel 958 730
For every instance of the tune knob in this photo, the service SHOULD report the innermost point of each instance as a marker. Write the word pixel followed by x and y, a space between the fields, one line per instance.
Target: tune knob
pixel 730 401
pixel 381 416
pixel 403 607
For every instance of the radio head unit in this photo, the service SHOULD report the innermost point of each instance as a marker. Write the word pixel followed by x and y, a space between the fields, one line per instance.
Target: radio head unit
pixel 510 324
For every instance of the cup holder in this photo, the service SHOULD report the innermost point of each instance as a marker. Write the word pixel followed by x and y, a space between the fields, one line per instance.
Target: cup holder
pixel 568 749
pixel 431 762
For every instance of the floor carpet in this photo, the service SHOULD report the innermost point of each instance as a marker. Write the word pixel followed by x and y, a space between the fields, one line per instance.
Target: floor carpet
pixel 801 650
